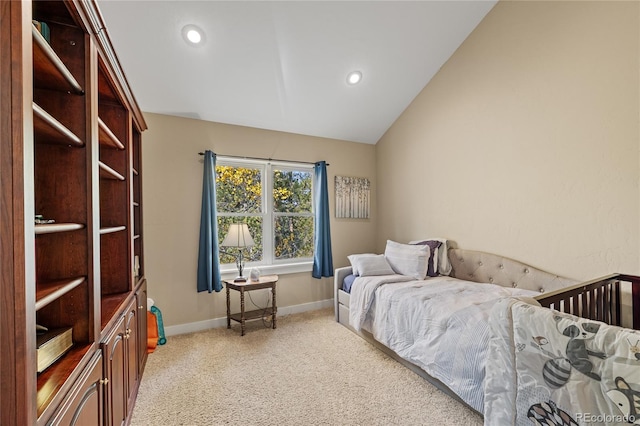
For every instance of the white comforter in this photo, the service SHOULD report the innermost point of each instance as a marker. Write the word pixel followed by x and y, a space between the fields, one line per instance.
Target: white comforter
pixel 439 324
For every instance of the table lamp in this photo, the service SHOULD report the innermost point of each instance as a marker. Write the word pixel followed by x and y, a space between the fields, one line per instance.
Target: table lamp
pixel 239 237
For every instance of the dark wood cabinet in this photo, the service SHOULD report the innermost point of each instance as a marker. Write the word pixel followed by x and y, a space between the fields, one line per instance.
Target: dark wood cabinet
pixel 132 336
pixel 120 348
pixel 84 406
pixel 141 300
pixel 71 247
pixel 115 353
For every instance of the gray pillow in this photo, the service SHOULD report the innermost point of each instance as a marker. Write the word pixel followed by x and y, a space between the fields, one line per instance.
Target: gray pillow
pixel 353 259
pixel 374 265
pixel 408 259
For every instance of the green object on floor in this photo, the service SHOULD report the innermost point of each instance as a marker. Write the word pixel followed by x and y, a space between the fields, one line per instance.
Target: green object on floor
pixel 161 339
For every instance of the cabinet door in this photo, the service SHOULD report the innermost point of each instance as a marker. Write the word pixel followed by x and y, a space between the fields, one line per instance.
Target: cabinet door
pixel 131 329
pixel 141 298
pixel 84 405
pixel 115 355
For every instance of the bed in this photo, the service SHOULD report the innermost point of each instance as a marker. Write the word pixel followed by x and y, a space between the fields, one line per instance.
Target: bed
pixel 573 363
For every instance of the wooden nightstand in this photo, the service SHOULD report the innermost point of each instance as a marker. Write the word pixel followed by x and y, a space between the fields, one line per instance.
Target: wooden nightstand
pixel 268 281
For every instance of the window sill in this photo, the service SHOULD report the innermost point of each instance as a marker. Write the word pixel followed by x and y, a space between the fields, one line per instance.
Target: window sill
pixel 285 268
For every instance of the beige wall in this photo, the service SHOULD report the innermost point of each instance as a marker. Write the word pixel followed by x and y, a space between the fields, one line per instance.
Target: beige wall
pixel 172 179
pixel 526 142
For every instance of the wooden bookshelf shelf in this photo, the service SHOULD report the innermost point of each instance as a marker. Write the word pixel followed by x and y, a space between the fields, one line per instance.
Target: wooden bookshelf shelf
pixel 108 173
pixel 49 130
pixel 107 138
pixel 112 229
pixel 51 228
pixel 109 305
pixel 49 70
pixel 49 291
pixel 51 380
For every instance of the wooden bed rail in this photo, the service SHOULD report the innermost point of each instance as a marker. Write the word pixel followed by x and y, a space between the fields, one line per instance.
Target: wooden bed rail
pixel 598 299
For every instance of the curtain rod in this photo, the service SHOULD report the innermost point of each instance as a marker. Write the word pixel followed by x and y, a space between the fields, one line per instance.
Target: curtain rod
pixel 265 159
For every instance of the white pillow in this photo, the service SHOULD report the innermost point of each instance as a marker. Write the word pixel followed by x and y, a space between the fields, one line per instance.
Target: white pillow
pixel 373 265
pixel 442 255
pixel 407 259
pixel 354 261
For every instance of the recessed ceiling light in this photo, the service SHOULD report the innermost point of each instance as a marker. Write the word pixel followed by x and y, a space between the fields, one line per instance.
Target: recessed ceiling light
pixel 193 35
pixel 354 77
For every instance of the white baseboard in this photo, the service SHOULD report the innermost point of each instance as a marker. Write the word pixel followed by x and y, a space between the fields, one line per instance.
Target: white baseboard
pixel 192 327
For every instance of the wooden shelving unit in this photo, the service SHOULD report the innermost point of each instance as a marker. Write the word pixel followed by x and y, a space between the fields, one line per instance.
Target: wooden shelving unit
pixel 50 130
pixel 49 70
pixel 107 138
pixel 51 228
pixel 48 292
pixel 136 197
pixel 108 173
pixel 71 130
pixel 112 229
pixel 63 287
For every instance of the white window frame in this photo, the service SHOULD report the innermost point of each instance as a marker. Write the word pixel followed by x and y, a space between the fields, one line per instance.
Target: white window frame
pixel 269 265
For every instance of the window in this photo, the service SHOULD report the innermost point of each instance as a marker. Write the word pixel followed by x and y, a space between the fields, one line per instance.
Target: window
pixel 275 201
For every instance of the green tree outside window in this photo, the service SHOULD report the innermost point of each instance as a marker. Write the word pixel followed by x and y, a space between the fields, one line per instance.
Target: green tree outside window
pixel 241 198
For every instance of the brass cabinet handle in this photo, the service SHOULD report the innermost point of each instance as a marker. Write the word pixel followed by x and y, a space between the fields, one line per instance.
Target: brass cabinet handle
pixel 104 381
pixel 140 307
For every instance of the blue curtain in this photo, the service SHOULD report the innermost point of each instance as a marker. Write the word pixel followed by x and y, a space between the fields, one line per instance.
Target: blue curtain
pixel 322 259
pixel 208 253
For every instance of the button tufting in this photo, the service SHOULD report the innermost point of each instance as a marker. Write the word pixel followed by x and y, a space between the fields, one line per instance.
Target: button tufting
pixel 501 266
pixel 490 279
pixel 542 290
pixel 480 263
pixel 514 285
pixel 461 260
pixel 526 271
pixel 471 275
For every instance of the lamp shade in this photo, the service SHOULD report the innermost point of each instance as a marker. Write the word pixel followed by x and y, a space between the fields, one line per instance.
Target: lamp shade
pixel 238 236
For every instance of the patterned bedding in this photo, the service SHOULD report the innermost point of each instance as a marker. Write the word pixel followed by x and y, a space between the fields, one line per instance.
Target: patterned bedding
pixel 439 324
pixel 561 367
pixel 547 368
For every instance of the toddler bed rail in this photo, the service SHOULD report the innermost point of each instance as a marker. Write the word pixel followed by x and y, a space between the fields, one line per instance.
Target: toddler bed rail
pixel 599 299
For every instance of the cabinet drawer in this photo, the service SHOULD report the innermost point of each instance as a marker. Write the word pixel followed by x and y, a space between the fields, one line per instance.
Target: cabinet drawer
pixel 343 298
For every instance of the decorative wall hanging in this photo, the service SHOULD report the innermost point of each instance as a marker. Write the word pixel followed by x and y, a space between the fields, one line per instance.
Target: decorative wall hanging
pixel 352 197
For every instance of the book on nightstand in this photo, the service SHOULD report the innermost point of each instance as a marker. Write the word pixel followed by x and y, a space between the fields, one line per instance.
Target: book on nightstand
pixel 51 345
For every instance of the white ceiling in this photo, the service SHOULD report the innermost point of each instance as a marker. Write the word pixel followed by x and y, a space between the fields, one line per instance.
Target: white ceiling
pixel 283 65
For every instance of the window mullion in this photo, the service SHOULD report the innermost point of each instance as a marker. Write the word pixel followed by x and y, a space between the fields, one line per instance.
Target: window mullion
pixel 267 218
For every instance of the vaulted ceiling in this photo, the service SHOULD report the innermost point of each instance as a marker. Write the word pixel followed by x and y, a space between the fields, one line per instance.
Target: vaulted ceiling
pixel 283 65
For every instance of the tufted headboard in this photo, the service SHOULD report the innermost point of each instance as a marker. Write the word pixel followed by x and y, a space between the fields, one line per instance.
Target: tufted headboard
pixel 484 267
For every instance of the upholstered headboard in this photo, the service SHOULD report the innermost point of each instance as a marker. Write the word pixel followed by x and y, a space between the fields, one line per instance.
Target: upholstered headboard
pixel 484 267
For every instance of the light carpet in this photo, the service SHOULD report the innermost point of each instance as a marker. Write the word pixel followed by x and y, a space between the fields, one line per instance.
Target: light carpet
pixel 308 371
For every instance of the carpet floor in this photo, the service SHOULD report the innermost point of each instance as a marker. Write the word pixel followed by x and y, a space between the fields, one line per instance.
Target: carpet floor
pixel 309 371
